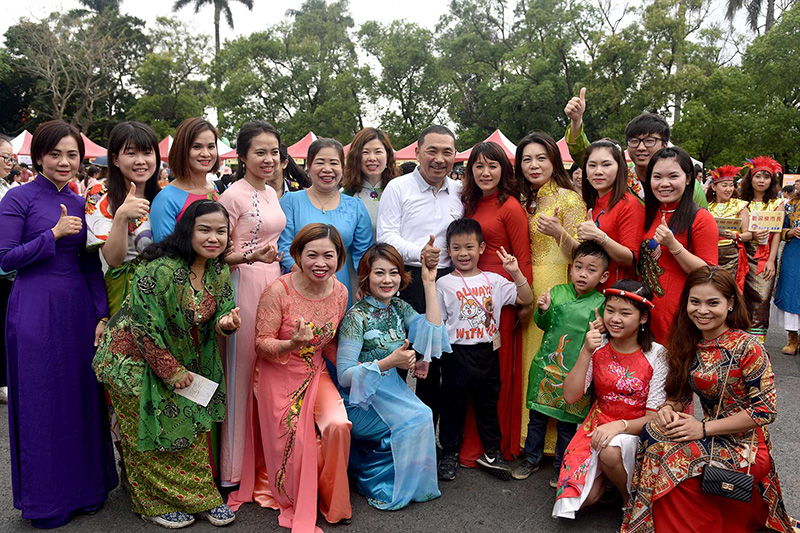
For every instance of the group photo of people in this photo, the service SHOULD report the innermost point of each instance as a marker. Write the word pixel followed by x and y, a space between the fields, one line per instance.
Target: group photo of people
pixel 297 336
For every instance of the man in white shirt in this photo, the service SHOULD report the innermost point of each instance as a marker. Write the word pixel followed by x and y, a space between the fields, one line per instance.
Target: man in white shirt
pixel 413 215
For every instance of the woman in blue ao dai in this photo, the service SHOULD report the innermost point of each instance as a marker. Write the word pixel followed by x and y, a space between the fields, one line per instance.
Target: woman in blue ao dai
pixel 393 447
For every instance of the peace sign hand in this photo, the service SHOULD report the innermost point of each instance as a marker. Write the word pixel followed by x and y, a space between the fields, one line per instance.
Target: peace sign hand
pixel 510 263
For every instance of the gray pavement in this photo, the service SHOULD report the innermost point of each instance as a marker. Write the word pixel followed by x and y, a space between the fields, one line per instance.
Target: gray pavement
pixel 474 502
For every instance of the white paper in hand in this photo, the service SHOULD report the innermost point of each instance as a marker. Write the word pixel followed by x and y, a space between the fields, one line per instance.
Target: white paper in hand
pixel 200 390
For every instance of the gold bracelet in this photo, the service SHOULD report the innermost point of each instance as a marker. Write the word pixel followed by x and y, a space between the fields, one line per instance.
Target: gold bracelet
pixel 677 252
pixel 626 425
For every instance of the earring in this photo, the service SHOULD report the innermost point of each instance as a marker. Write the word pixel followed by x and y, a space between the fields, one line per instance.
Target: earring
pixel 641 327
pixel 730 309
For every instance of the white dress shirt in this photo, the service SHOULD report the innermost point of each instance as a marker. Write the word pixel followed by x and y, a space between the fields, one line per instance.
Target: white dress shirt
pixel 411 210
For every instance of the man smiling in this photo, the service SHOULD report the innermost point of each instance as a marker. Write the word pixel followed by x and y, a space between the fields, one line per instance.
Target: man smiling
pixel 413 215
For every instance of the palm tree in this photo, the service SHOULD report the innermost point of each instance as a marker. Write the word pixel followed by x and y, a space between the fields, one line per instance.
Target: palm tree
pixel 220 6
pixel 753 8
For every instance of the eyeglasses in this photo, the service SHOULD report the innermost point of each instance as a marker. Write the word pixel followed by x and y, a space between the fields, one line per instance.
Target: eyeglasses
pixel 649 142
pixel 7 158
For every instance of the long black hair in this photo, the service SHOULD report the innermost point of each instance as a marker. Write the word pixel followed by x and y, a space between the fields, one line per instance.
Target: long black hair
pixel 644 336
pixel 292 170
pixel 178 244
pixel 140 137
pixel 684 214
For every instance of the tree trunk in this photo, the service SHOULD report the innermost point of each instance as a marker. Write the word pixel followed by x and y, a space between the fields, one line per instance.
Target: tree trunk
pixel 770 15
pixel 216 28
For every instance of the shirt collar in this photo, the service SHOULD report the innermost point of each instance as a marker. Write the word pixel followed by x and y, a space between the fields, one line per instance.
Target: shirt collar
pixel 374 302
pixel 424 186
pixel 51 182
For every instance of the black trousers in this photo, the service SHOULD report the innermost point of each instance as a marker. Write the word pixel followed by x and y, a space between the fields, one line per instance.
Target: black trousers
pixel 471 372
pixel 428 388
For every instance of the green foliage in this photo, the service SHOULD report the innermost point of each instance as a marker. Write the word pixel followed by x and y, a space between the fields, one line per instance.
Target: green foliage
pixel 172 77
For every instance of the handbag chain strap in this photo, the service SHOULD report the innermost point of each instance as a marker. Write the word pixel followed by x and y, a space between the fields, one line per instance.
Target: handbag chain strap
pixel 719 408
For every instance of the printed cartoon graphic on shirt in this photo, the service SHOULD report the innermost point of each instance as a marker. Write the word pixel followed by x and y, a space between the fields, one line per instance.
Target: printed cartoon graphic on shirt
pixel 477 309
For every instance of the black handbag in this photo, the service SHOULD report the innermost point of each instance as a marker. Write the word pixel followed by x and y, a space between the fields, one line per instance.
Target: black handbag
pixel 722 481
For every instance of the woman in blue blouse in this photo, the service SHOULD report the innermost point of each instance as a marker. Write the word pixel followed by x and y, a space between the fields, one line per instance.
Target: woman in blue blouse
pixel 393 447
pixel 322 202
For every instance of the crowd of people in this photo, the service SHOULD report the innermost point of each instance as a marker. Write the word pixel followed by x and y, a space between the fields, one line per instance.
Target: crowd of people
pixel 268 336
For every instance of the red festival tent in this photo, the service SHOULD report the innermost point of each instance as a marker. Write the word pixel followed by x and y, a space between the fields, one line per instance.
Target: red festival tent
pixel 299 150
pixel 409 153
pixel 164 146
pixel 498 138
pixel 92 149
pixel 21 144
pixel 347 149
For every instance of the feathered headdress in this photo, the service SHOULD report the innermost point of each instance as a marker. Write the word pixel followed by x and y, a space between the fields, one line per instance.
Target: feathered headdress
pixel 724 173
pixel 764 162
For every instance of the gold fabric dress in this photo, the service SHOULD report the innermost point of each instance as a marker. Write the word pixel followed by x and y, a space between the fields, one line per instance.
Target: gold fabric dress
pixel 550 266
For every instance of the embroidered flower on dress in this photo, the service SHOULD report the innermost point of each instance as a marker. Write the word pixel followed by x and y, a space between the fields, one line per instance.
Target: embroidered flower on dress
pixel 181 276
pixel 146 284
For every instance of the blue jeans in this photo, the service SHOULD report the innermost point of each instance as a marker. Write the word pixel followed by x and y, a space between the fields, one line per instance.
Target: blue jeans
pixel 534 442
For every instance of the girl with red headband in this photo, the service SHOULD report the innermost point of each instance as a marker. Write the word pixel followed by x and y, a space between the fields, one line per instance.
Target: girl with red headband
pixel 760 189
pixel 628 374
pixel 724 202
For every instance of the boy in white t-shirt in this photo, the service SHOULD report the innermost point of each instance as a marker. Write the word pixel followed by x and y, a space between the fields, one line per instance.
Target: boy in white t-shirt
pixel 471 301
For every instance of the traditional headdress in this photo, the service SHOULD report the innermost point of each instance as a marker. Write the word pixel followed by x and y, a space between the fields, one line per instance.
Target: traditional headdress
pixel 630 295
pixel 724 173
pixel 764 162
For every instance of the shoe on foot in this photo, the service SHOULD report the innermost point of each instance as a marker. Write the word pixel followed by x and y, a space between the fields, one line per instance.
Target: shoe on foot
pixel 218 516
pixel 791 344
pixel 494 464
pixel 3 394
pixel 448 465
pixel 173 520
pixel 525 469
pixel 553 481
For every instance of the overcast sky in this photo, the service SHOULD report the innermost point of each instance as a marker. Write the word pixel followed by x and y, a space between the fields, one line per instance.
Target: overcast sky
pixel 265 12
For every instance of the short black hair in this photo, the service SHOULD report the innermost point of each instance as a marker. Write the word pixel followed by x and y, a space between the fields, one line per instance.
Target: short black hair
pixel 648 123
pixel 593 249
pixel 437 129
pixel 464 226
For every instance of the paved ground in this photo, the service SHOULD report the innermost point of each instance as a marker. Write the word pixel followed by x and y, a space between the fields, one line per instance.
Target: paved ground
pixel 475 502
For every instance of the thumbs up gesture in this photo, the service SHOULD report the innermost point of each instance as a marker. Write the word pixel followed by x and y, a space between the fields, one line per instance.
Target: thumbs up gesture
pixel 593 339
pixel 544 301
pixel 404 357
pixel 550 226
pixel 66 225
pixel 598 323
pixel 664 235
pixel 133 208
pixel 430 254
pixel 575 109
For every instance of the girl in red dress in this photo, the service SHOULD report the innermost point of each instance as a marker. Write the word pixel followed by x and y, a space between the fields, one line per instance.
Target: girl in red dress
pixel 679 237
pixel 710 355
pixel 628 374
pixel 490 196
pixel 616 216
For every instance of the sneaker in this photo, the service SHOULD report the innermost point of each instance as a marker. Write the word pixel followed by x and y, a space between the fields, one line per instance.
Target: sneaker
pixel 173 520
pixel 553 481
pixel 447 467
pixel 218 516
pixel 494 464
pixel 525 469
pixel 3 394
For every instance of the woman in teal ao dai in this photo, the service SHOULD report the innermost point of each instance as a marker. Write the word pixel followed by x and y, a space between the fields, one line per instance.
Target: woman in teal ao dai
pixel 393 449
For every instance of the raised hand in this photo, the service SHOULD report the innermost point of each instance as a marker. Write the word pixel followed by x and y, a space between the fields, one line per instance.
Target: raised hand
pixel 301 333
pixel 598 323
pixel 575 109
pixel 231 321
pixel 266 254
pixel 544 301
pixel 430 253
pixel 428 274
pixel 66 225
pixel 550 226
pixel 403 357
pixel 593 339
pixel 133 207
pixel 510 263
pixel 664 235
